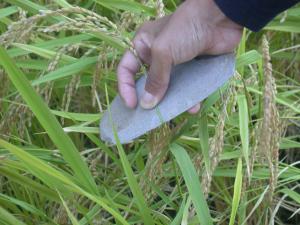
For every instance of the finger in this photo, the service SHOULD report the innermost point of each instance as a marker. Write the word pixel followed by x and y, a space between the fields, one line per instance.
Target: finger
pixel 195 109
pixel 159 74
pixel 126 71
pixel 129 64
pixel 142 44
pixel 145 36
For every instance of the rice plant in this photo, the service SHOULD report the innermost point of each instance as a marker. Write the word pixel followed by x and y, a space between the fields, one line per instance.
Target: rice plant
pixel 236 162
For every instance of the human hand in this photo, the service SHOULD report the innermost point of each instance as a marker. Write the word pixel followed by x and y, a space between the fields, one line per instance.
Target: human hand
pixel 197 27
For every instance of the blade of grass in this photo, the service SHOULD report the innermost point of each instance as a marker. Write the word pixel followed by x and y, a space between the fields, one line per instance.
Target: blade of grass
pixel 45 53
pixel 8 218
pixel 136 191
pixel 28 183
pixel 241 50
pixel 180 212
pixel 237 191
pixel 66 71
pixel 40 168
pixel 62 3
pixel 292 194
pixel 247 58
pixel 127 5
pixel 185 214
pixel 193 184
pixel 49 122
pixel 288 103
pixel 8 11
pixel 24 205
pixel 29 6
pixel 204 140
pixel 83 117
pixel 244 129
pixel 70 215
pixel 51 44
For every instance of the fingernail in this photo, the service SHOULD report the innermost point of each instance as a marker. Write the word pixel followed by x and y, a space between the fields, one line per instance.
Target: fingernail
pixel 148 101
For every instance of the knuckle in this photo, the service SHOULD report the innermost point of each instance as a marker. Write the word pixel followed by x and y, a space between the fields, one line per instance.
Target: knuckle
pixel 154 84
pixel 140 39
pixel 144 27
pixel 162 49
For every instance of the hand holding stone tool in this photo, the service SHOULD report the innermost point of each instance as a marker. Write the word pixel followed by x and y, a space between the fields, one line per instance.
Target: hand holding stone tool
pixel 190 83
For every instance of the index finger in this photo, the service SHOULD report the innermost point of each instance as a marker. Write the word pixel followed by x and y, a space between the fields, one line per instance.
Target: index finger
pixel 127 69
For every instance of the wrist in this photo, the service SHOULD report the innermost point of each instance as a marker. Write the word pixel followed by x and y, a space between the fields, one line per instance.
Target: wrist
pixel 208 10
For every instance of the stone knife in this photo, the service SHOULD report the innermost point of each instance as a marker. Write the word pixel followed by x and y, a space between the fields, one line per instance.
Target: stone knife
pixel 190 83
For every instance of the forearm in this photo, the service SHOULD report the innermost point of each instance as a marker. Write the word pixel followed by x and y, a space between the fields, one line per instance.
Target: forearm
pixel 253 14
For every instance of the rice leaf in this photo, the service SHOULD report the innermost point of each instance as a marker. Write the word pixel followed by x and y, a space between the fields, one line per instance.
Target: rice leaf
pixel 27 5
pixel 43 170
pixel 247 58
pixel 133 184
pixel 180 212
pixel 192 182
pixel 244 128
pixel 8 11
pixel 66 71
pixel 237 191
pixel 204 140
pixel 49 122
pixel 71 216
pixel 292 194
pixel 8 218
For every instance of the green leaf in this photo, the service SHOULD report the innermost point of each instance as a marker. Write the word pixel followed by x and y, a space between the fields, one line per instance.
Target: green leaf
pixel 45 53
pixel 291 25
pixel 26 182
pixel 133 184
pixel 204 140
pixel 292 194
pixel 290 104
pixel 51 44
pixel 180 212
pixel 71 216
pixel 244 129
pixel 8 218
pixel 52 176
pixel 247 58
pixel 8 11
pixel 193 184
pixel 237 191
pixel 186 210
pixel 81 129
pixel 66 71
pixel 83 117
pixel 23 205
pixel 288 143
pixel 62 3
pixel 27 5
pixel 49 122
pixel 127 5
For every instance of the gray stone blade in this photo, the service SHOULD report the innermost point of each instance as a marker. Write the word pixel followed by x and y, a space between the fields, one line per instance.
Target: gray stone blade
pixel 190 83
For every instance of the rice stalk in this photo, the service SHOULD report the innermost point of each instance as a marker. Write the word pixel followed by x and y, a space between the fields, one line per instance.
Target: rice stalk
pixel 158 141
pixel 160 8
pixel 216 146
pixel 270 127
pixel 127 20
pixel 20 31
pixel 70 90
pixel 97 76
pixel 4 85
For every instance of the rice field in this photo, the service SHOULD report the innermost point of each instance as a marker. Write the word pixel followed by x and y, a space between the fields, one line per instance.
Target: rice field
pixel 236 162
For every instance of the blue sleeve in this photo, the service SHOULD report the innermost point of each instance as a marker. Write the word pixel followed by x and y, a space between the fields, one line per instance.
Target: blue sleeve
pixel 253 14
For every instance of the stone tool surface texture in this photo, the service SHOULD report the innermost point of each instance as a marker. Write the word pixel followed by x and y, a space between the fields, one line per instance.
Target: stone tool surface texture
pixel 190 83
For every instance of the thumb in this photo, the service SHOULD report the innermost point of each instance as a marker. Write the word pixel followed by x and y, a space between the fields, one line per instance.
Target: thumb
pixel 159 75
